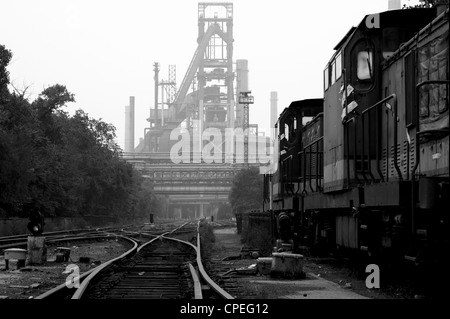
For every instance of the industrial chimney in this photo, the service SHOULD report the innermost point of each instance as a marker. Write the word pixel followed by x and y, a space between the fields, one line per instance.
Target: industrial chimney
pixel 129 126
pixel 273 109
pixel 241 86
pixel 394 4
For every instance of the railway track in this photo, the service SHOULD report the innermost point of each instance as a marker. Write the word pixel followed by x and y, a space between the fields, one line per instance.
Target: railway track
pixel 163 268
pixel 160 270
pixel 59 236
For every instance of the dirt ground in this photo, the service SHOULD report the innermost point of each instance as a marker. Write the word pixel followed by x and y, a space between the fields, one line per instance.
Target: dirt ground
pixel 31 281
pixel 341 279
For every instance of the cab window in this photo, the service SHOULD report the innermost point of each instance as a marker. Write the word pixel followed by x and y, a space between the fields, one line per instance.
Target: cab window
pixel 338 66
pixel 362 65
pixel 365 65
pixel 333 72
pixel 326 79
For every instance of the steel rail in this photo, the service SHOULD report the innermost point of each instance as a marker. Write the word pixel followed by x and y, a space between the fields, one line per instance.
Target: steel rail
pixel 80 291
pixel 62 289
pixel 18 238
pixel 90 235
pixel 197 286
pixel 203 273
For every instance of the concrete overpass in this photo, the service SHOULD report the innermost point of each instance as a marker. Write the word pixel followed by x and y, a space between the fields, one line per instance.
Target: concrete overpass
pixel 191 189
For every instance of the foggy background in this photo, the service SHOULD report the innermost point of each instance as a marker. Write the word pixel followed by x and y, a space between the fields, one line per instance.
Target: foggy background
pixel 103 51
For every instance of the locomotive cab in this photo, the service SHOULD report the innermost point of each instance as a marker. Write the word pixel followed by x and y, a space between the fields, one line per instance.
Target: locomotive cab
pixel 352 86
pixel 366 169
pixel 287 182
pixel 290 128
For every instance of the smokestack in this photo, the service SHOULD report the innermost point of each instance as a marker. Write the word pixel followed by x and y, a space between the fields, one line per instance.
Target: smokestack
pixel 394 4
pixel 273 108
pixel 241 86
pixel 129 126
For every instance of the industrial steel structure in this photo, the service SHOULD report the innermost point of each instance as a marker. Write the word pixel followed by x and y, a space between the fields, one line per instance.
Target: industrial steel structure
pixel 205 99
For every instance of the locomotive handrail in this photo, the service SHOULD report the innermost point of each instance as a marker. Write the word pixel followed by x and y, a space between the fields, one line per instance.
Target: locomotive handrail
pixel 286 161
pixel 303 168
pixel 353 119
pixel 302 156
pixel 369 163
pixel 301 177
pixel 394 111
pixel 309 146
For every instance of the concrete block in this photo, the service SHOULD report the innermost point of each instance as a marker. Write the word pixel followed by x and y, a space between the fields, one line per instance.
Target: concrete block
pixel 15 258
pixel 264 265
pixel 64 251
pixel 37 251
pixel 287 265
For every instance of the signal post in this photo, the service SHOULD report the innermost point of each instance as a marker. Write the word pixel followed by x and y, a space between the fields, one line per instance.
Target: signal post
pixel 36 249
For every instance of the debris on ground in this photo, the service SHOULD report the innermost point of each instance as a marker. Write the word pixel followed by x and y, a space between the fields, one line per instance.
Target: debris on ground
pixel 235 257
pixel 250 270
pixel 31 281
pixel 249 252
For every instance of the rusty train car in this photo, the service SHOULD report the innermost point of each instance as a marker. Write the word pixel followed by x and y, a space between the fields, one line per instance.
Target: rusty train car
pixel 366 168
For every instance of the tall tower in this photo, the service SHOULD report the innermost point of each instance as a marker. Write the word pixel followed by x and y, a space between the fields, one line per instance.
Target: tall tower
pixel 129 126
pixel 394 5
pixel 241 86
pixel 273 109
pixel 215 71
pixel 206 95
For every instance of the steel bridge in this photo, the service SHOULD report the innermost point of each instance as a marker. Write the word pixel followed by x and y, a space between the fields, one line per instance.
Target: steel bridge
pixel 199 187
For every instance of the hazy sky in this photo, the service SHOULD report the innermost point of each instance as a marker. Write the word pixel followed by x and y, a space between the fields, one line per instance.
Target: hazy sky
pixel 104 50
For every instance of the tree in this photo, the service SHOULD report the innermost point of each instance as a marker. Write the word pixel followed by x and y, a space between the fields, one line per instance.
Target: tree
pixel 5 58
pixel 63 165
pixel 425 4
pixel 247 190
